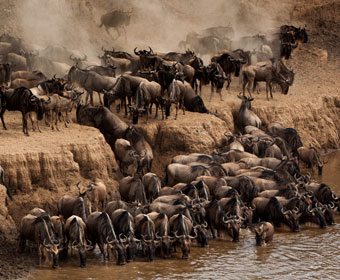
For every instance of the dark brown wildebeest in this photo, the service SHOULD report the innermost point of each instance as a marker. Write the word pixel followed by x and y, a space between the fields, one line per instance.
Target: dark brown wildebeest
pixel 131 189
pixel 23 100
pixel 100 230
pixel 75 233
pixel 181 227
pixel 125 87
pixel 145 231
pixel 271 210
pixel 110 125
pixel 124 225
pixel 162 229
pixel 35 229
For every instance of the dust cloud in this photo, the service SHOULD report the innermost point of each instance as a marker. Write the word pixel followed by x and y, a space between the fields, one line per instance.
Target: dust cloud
pixel 161 24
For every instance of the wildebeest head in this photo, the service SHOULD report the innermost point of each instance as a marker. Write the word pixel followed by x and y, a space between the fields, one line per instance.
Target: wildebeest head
pixel 292 219
pixel 38 104
pixel 233 226
pixel 202 234
pixel 185 244
pixel 120 250
pixel 317 216
pixel 49 244
pixel 260 233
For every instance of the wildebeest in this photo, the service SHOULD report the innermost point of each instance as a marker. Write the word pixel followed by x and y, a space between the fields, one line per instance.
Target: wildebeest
pixel 115 19
pixel 131 189
pixel 264 232
pixel 127 157
pixel 124 225
pixel 193 102
pixel 162 229
pixel 90 81
pixel 23 100
pixel 75 232
pixel 110 125
pixel 176 96
pixel 97 194
pixel 217 78
pixel 69 205
pixel 145 231
pixel 169 209
pixel 180 173
pixel 125 87
pixel 143 148
pixel 181 228
pixel 269 72
pixel 311 158
pixel 272 210
pixel 194 157
pixel 148 93
pixel 35 229
pixel 245 115
pixel 152 185
pixel 100 231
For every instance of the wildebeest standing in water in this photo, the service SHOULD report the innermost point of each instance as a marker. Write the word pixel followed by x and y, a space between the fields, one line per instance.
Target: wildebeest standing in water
pixel 115 19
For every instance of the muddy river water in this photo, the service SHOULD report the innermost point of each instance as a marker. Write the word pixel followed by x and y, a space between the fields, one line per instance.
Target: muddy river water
pixel 312 253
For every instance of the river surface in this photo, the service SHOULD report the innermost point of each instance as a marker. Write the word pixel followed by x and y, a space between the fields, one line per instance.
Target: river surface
pixel 312 253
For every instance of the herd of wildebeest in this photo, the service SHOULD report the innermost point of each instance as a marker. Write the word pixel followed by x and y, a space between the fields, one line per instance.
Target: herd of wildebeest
pixel 253 181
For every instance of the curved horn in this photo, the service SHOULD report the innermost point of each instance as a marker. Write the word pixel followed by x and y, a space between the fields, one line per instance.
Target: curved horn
pixel 136 53
pixel 193 237
pixel 178 236
pixel 151 51
pixel 296 210
pixel 205 224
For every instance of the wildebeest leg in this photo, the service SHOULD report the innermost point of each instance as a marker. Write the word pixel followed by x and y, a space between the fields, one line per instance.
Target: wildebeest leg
pixel 200 87
pixel 271 90
pixel 32 121
pixel 100 100
pixel 220 93
pixel 156 104
pixel 56 120
pixel 211 91
pixel 24 123
pixel 250 85
pixel 2 118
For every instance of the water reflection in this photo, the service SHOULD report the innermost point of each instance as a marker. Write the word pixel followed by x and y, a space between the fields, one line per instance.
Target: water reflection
pixel 311 253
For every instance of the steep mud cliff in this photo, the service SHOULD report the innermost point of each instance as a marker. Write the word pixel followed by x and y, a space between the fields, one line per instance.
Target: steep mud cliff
pixel 40 178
